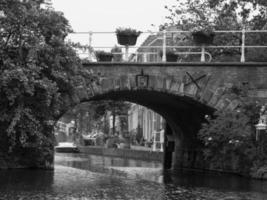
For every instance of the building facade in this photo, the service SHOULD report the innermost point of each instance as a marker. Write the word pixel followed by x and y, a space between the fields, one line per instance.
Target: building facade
pixel 147 127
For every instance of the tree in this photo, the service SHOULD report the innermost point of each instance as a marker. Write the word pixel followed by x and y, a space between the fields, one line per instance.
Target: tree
pixel 223 15
pixel 88 116
pixel 91 114
pixel 117 108
pixel 38 70
pixel 229 136
pixel 251 15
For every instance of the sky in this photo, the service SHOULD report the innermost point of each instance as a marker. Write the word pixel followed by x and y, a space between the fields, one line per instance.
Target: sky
pixel 107 15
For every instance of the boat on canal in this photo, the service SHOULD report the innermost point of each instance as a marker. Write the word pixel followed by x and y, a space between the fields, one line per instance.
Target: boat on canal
pixel 67 147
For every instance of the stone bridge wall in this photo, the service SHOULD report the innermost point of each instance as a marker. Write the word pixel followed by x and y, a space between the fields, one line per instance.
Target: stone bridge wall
pixel 182 92
pixel 207 83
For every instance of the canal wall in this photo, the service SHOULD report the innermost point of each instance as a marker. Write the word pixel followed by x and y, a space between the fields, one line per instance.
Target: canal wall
pixel 123 153
pixel 225 166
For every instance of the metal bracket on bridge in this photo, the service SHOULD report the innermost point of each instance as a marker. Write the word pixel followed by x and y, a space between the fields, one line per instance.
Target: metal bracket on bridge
pixel 194 80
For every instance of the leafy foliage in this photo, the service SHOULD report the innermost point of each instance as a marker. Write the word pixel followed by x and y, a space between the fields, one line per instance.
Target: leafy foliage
pixel 229 139
pixel 127 31
pixel 226 136
pixel 193 15
pixel 38 70
pixel 90 115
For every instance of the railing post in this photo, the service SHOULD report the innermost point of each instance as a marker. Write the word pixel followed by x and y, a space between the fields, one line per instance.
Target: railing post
pixel 126 52
pixel 90 46
pixel 202 59
pixel 242 59
pixel 164 46
pixel 144 57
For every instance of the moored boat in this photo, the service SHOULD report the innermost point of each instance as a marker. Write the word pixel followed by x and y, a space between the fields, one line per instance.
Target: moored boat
pixel 66 147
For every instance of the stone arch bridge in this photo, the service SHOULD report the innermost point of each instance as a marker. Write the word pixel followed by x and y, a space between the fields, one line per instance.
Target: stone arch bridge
pixel 183 93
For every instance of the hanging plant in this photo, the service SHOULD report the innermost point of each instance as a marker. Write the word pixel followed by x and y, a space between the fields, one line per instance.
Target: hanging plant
pixel 127 36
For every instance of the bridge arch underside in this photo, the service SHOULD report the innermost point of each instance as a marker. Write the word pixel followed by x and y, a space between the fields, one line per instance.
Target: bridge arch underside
pixel 183 116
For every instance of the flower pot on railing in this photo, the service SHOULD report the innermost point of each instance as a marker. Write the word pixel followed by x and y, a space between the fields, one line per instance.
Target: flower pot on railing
pixel 202 37
pixel 129 40
pixel 170 56
pixel 103 56
pixel 127 36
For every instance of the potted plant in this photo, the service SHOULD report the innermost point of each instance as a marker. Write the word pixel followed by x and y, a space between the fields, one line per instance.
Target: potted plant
pixel 104 56
pixel 127 36
pixel 203 34
pixel 171 56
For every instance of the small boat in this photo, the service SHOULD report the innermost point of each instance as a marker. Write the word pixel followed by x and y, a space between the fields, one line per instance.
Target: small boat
pixel 67 147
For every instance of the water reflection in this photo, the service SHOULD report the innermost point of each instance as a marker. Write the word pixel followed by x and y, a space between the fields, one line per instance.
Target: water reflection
pixel 32 179
pixel 127 168
pixel 105 161
pixel 94 177
pixel 172 181
pixel 222 182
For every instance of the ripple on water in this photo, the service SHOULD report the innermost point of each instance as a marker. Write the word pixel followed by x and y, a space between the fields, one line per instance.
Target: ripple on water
pixel 68 183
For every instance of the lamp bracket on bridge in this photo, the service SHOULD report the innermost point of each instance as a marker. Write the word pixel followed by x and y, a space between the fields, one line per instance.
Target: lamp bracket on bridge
pixel 142 80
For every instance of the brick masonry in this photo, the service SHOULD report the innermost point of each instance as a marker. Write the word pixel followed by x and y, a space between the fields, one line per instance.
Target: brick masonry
pixel 204 82
pixel 181 92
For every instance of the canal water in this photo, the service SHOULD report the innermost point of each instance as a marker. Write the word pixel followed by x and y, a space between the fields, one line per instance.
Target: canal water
pixel 79 176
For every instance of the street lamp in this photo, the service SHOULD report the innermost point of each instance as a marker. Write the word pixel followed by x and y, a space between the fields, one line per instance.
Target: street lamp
pixel 260 128
pixel 2 14
pixel 260 131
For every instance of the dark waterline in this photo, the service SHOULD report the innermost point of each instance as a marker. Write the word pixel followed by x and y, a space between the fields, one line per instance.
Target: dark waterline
pixel 78 176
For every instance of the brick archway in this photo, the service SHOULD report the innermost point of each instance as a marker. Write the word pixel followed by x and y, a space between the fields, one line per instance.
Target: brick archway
pixel 182 93
pixel 207 83
pixel 184 115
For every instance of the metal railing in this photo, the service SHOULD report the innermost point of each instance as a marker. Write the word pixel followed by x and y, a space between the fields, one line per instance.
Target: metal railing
pixel 163 35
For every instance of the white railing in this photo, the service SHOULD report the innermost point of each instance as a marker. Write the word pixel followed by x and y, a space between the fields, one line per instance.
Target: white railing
pixel 163 35
pixel 158 141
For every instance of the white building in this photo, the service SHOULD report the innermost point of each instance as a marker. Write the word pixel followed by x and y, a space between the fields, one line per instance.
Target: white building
pixel 149 123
